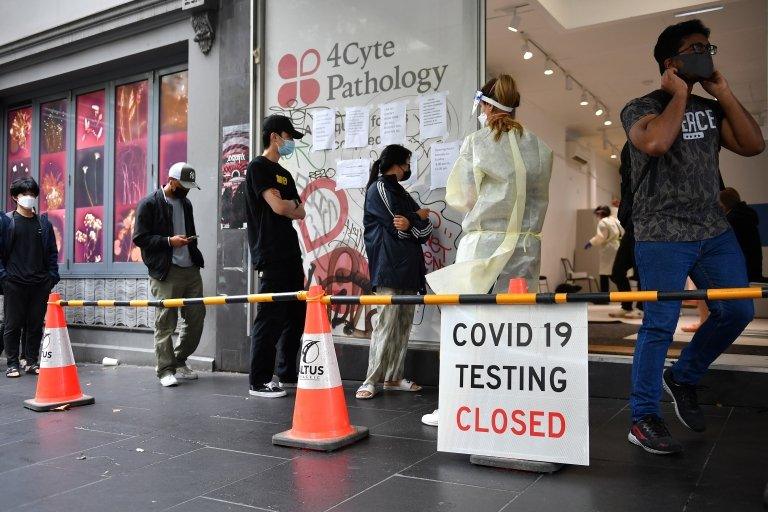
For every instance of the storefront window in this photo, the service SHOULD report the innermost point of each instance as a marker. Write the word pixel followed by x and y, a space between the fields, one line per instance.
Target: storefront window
pixel 173 122
pixel 19 144
pixel 131 128
pixel 53 168
pixel 89 178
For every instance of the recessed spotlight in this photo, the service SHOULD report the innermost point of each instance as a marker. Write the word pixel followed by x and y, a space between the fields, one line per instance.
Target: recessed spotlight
pixel 599 110
pixel 607 122
pixel 549 69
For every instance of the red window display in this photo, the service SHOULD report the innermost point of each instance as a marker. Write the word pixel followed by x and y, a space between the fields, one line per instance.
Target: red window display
pixel 53 167
pixel 19 147
pixel 89 178
pixel 173 122
pixel 131 128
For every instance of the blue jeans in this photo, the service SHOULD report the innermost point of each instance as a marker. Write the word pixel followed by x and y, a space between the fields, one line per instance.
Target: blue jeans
pixel 664 266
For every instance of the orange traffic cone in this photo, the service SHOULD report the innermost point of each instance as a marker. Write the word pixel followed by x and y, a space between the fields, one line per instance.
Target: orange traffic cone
pixel 518 285
pixel 57 383
pixel 320 418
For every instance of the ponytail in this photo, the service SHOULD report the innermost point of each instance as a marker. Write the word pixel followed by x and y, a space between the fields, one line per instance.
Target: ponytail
pixel 504 90
pixel 394 154
pixel 374 174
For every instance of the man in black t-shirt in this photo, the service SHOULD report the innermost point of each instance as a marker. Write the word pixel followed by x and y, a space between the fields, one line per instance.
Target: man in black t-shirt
pixel 679 229
pixel 272 205
pixel 29 269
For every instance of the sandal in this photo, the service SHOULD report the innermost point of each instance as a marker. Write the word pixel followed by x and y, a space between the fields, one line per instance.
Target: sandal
pixel 403 385
pixel 12 372
pixel 366 392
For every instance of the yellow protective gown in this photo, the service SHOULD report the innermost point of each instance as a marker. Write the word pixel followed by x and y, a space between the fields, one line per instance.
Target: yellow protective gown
pixel 607 238
pixel 503 189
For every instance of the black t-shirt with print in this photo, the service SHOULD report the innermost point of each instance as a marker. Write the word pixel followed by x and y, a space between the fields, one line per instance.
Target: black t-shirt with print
pixel 273 240
pixel 677 201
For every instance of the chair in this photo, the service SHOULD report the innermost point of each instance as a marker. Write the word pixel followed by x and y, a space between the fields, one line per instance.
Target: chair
pixel 543 284
pixel 571 276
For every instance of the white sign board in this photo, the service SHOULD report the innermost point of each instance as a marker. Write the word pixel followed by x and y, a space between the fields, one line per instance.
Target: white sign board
pixel 513 382
pixel 354 57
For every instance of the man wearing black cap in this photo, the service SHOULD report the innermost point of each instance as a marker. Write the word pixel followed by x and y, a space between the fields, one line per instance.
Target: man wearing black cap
pixel 165 232
pixel 272 205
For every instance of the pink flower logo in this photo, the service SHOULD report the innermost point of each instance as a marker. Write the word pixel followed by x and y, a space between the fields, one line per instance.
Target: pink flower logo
pixel 298 85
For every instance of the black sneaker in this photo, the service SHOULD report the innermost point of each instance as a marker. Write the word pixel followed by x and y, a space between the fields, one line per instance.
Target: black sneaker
pixel 651 434
pixel 268 390
pixel 686 403
pixel 33 369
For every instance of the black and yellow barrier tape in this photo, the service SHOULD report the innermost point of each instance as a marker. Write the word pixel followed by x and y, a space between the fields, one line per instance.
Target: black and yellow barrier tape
pixel 436 300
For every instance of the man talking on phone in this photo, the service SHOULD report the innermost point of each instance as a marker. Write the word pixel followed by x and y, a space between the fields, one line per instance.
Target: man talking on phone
pixel 165 232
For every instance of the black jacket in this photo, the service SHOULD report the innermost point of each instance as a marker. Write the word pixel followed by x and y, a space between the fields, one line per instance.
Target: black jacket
pixel 154 225
pixel 395 257
pixel 744 221
pixel 50 251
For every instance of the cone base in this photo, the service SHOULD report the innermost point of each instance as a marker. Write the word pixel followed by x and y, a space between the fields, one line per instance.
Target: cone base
pixel 288 439
pixel 38 406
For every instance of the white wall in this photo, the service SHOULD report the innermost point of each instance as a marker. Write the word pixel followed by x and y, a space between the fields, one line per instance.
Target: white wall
pixel 568 191
pixel 17 22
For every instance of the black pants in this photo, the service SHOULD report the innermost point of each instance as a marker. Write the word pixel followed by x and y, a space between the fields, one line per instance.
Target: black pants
pixel 605 283
pixel 625 260
pixel 277 329
pixel 24 308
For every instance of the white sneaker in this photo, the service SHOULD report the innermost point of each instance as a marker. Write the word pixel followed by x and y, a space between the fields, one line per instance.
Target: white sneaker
pixel 430 419
pixel 186 373
pixel 168 380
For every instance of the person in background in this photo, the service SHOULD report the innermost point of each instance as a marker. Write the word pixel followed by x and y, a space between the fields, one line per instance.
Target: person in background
pixel 165 232
pixel 500 182
pixel 744 222
pixel 29 270
pixel 609 233
pixel 273 203
pixel 680 229
pixel 395 228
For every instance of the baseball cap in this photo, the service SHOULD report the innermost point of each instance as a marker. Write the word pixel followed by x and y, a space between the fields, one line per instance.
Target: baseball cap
pixel 184 173
pixel 279 124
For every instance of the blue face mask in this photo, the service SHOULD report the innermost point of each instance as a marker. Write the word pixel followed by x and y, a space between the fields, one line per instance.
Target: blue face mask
pixel 287 148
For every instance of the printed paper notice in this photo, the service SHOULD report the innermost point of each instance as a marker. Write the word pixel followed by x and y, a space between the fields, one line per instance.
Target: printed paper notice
pixel 393 122
pixel 352 173
pixel 323 129
pixel 356 123
pixel 433 116
pixel 443 157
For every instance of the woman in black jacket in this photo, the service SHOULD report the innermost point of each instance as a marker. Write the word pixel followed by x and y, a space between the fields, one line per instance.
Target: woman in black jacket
pixel 395 229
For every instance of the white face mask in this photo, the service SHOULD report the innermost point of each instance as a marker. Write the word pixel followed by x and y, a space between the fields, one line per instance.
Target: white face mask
pixel 28 202
pixel 483 118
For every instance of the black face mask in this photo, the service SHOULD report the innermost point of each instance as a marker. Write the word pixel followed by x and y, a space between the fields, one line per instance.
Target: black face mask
pixel 406 175
pixel 180 192
pixel 695 66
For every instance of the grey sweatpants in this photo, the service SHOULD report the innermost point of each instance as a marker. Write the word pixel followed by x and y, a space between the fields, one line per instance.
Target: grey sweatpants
pixel 389 341
pixel 180 283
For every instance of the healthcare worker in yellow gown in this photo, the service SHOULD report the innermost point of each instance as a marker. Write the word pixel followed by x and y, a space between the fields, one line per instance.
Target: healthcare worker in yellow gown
pixel 501 183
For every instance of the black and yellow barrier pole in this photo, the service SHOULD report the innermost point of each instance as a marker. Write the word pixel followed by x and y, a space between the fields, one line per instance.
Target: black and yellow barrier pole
pixel 438 300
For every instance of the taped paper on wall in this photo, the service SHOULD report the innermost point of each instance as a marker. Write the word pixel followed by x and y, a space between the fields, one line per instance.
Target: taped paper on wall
pixel 433 116
pixel 443 157
pixel 356 127
pixel 393 121
pixel 352 173
pixel 323 129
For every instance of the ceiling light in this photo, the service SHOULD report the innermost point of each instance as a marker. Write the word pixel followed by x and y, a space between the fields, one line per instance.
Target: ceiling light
pixel 514 23
pixel 607 122
pixel 599 110
pixel 584 101
pixel 699 11
pixel 568 83
pixel 613 154
pixel 527 53
pixel 549 69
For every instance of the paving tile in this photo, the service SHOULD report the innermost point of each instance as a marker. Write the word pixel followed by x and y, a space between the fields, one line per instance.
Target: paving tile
pixel 456 468
pixel 408 426
pixel 28 484
pixel 316 481
pixel 164 484
pixel 211 505
pixel 608 486
pixel 414 495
